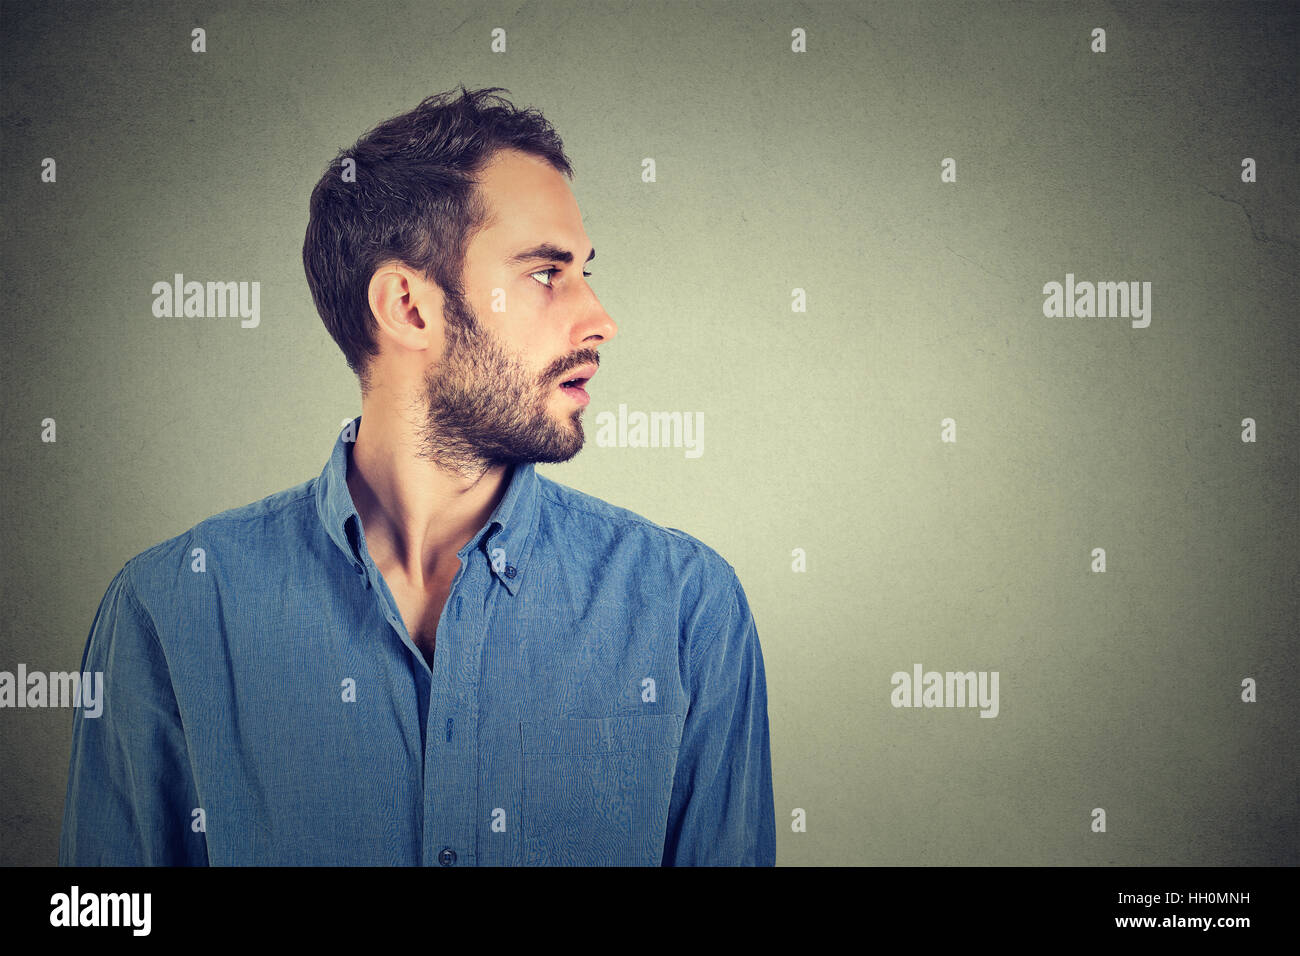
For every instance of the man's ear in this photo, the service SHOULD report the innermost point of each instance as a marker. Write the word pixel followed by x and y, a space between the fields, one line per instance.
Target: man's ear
pixel 406 306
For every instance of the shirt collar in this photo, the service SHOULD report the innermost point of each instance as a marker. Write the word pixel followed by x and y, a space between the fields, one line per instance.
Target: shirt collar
pixel 505 541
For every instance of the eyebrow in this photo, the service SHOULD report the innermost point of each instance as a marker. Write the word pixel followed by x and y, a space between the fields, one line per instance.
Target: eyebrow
pixel 545 251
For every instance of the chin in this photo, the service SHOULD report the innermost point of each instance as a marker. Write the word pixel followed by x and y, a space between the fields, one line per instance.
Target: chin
pixel 565 453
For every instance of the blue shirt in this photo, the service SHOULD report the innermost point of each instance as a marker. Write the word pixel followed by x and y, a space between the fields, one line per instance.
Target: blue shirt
pixel 597 697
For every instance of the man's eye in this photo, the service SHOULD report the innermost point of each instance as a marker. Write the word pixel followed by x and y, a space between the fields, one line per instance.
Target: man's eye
pixel 548 272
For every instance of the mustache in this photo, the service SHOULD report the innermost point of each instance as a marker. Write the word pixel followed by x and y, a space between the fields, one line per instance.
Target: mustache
pixel 575 361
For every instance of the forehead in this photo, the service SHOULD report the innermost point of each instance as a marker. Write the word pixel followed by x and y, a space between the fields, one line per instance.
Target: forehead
pixel 530 202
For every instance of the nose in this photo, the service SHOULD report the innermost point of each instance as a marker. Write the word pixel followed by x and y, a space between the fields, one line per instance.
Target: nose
pixel 595 322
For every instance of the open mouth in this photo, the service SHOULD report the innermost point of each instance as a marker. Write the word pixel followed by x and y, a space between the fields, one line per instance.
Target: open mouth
pixel 573 387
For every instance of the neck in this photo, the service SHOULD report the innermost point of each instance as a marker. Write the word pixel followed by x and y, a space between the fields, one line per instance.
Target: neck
pixel 416 512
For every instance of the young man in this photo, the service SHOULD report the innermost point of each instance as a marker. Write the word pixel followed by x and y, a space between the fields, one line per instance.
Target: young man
pixel 430 654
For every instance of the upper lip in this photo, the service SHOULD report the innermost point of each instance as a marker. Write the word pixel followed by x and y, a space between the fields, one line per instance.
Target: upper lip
pixel 581 375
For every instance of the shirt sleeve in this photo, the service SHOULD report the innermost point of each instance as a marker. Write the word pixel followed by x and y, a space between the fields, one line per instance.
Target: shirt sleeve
pixel 722 812
pixel 131 794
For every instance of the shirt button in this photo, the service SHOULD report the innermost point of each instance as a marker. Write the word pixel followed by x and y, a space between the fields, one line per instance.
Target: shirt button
pixel 511 571
pixel 360 569
pixel 447 857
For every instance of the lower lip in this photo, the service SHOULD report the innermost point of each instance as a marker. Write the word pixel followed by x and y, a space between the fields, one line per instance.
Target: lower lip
pixel 576 393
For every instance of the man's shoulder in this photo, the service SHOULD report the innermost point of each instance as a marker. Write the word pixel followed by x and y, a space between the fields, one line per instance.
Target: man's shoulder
pixel 263 525
pixel 586 517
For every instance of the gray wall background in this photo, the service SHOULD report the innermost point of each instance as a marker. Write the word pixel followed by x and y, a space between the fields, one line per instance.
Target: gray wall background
pixel 776 170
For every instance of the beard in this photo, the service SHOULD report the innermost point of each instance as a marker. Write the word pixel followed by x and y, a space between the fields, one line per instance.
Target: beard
pixel 483 407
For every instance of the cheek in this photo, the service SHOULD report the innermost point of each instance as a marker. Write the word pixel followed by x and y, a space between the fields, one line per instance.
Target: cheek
pixel 534 354
pixel 523 301
pixel 438 344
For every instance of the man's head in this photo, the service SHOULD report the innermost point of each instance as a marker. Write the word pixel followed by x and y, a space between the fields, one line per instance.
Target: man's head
pixel 451 273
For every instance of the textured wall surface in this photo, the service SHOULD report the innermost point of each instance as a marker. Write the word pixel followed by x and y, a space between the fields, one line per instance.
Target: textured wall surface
pixel 841 263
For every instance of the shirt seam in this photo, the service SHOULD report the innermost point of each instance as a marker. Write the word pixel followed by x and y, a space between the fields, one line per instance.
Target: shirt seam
pixel 129 591
pixel 630 517
pixel 308 492
pixel 717 631
pixel 226 516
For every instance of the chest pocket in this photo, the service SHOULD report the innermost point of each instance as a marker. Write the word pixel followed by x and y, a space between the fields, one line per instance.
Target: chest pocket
pixel 596 791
